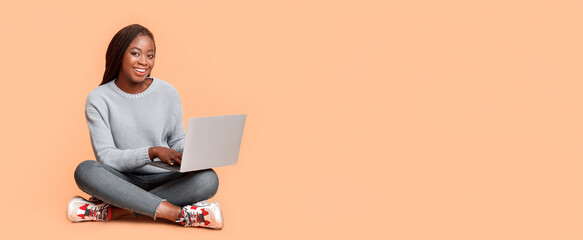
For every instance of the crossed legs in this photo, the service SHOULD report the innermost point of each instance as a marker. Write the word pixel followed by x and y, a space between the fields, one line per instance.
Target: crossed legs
pixel 157 195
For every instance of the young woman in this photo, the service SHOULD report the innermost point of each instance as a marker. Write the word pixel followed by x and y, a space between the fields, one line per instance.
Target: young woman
pixel 133 119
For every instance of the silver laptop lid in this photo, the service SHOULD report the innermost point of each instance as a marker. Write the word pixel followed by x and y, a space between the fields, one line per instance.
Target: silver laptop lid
pixel 212 142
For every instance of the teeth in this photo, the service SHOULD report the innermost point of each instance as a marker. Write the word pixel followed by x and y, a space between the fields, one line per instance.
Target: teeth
pixel 140 70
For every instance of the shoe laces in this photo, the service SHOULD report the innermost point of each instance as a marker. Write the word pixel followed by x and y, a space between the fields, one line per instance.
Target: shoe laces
pixel 95 212
pixel 193 216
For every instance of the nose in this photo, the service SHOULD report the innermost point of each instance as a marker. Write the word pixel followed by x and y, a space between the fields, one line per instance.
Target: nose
pixel 142 60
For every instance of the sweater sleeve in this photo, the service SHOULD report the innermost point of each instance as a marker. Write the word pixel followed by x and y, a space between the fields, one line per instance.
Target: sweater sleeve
pixel 104 146
pixel 178 135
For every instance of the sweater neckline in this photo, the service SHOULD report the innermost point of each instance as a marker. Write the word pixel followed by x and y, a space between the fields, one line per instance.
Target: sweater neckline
pixel 137 95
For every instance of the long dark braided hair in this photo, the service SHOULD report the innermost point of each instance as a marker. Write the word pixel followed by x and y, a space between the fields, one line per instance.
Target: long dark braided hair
pixel 117 48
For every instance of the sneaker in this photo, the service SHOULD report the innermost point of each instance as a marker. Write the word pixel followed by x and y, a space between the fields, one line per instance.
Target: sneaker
pixel 202 214
pixel 80 210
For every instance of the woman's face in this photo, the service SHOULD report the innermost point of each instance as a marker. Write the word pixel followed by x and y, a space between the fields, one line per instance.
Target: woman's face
pixel 138 60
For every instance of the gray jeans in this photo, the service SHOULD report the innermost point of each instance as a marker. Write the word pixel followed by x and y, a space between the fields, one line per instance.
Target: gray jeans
pixel 143 193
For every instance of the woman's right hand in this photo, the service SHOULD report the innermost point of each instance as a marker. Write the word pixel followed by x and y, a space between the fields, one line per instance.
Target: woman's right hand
pixel 166 155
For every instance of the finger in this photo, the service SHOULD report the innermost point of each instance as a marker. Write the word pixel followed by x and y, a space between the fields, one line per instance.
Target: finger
pixel 180 156
pixel 178 160
pixel 169 162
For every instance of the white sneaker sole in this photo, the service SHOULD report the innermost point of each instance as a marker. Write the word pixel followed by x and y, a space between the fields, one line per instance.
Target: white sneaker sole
pixel 72 211
pixel 218 215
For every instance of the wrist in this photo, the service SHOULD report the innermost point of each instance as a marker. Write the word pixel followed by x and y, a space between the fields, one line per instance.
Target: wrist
pixel 152 153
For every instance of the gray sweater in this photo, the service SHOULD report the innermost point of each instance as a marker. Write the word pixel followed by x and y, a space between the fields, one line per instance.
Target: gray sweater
pixel 123 126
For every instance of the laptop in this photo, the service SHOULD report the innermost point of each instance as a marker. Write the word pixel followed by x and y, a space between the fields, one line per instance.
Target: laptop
pixel 210 142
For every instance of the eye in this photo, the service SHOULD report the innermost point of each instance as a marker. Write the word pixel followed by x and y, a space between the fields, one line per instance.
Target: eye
pixel 150 56
pixel 135 54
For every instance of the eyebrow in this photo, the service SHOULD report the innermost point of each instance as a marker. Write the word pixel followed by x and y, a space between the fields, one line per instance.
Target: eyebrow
pixel 139 49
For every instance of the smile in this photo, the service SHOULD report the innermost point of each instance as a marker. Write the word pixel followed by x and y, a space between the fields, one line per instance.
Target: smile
pixel 140 70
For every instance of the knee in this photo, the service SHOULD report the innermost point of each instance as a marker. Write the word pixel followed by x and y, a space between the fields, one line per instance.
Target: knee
pixel 83 171
pixel 211 181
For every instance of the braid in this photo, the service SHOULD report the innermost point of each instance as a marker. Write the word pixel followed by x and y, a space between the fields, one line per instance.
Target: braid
pixel 117 48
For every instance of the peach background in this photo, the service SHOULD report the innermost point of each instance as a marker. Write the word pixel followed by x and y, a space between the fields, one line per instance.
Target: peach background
pixel 366 119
